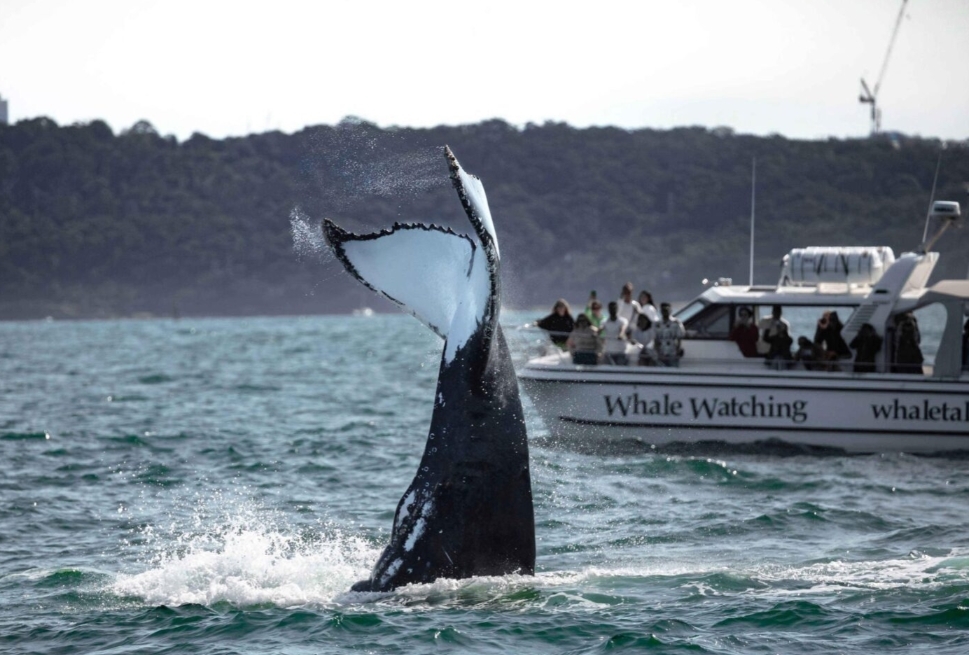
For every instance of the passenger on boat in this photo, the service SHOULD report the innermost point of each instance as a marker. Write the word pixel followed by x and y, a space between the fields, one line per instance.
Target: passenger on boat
pixel 613 333
pixel 644 334
pixel 584 342
pixel 866 345
pixel 559 323
pixel 669 332
pixel 594 314
pixel 745 333
pixel 809 354
pixel 965 346
pixel 647 307
pixel 592 299
pixel 908 354
pixel 769 326
pixel 779 356
pixel 828 336
pixel 628 308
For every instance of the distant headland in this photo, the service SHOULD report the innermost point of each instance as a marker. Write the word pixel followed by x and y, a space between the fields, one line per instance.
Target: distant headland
pixel 97 224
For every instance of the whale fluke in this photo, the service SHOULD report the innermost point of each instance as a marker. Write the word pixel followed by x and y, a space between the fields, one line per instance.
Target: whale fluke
pixel 468 511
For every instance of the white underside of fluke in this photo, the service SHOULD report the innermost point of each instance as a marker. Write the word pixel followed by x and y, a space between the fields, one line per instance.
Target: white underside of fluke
pixel 438 276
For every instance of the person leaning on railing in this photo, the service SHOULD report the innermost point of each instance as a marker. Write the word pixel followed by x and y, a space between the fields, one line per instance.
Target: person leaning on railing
pixel 644 335
pixel 613 333
pixel 559 323
pixel 584 342
pixel 965 346
pixel 779 356
pixel 866 345
pixel 828 336
pixel 907 341
pixel 745 333
pixel 594 314
pixel 669 332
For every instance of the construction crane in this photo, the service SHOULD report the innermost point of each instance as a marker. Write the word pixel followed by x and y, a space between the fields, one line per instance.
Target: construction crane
pixel 870 96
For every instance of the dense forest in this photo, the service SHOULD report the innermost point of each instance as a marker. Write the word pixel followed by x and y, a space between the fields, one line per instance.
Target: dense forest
pixel 96 224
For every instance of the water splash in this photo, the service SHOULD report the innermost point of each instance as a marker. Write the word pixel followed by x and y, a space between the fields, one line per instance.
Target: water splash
pixel 355 162
pixel 244 557
pixel 353 165
pixel 307 237
pixel 405 174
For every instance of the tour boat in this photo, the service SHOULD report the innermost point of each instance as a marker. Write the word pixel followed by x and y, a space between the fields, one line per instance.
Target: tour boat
pixel 717 394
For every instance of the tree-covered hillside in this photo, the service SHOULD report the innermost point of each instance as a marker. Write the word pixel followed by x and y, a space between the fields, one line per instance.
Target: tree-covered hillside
pixel 98 224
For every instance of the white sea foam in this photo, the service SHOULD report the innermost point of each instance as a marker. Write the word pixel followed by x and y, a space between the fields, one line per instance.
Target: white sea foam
pixel 231 551
pixel 254 567
pixel 917 571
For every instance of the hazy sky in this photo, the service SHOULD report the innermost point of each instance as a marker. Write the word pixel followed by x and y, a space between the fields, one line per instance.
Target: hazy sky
pixel 230 68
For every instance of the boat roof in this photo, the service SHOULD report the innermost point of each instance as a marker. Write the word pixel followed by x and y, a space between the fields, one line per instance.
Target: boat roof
pixel 949 290
pixel 830 295
pixel 825 294
pixel 943 291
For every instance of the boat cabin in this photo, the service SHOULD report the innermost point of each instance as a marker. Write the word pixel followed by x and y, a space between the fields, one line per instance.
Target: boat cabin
pixel 862 285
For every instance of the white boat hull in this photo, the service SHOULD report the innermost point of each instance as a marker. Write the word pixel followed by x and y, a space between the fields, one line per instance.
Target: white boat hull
pixel 856 413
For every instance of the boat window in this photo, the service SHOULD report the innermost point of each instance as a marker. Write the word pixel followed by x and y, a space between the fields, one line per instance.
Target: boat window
pixel 711 323
pixel 804 319
pixel 687 313
pixel 931 320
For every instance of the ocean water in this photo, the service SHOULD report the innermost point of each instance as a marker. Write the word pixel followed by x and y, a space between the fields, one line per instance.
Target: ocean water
pixel 216 486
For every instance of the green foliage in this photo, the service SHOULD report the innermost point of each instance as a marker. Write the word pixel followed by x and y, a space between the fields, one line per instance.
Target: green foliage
pixel 93 223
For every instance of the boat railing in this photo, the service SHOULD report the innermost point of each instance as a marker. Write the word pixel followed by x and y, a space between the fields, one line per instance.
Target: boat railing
pixel 528 342
pixel 842 369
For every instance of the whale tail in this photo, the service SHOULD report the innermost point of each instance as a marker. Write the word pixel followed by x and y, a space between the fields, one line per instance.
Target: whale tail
pixel 446 280
pixel 468 510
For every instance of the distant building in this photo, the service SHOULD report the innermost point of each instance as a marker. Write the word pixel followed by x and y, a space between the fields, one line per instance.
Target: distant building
pixel 3 111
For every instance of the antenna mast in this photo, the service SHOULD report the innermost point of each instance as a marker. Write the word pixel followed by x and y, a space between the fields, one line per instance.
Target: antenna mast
pixel 870 97
pixel 753 200
pixel 928 214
